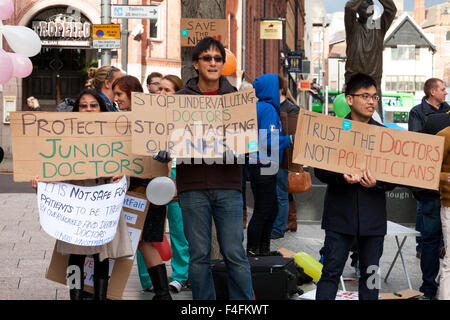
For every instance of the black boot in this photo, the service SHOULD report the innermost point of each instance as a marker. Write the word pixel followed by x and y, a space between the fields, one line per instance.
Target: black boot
pixel 100 288
pixel 77 293
pixel 158 275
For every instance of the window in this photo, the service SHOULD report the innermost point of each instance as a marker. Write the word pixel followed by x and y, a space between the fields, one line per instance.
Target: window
pixel 156 24
pixel 447 37
pixel 405 53
pixel 404 83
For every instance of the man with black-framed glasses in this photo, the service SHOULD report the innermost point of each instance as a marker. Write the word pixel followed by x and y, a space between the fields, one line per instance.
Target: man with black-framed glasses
pixel 153 82
pixel 354 208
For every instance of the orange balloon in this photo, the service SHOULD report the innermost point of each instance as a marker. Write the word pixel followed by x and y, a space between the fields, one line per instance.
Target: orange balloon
pixel 230 64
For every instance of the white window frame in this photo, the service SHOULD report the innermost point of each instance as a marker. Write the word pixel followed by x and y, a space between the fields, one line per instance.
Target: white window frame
pixel 160 23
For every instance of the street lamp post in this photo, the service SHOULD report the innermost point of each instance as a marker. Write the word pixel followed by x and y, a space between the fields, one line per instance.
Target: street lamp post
pixel 106 19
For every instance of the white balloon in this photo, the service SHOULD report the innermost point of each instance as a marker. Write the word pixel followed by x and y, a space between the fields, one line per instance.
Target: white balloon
pixel 161 190
pixel 22 40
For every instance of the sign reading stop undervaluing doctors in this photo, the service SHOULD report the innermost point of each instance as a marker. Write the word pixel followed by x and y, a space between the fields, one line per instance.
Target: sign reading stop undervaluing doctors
pixel 59 146
pixel 193 126
pixel 391 155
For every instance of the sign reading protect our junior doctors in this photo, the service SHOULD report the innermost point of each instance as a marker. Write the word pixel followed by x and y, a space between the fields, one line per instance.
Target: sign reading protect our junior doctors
pixel 344 146
pixel 58 146
pixel 194 126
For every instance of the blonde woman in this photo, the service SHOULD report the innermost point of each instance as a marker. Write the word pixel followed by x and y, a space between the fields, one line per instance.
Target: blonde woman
pixel 101 79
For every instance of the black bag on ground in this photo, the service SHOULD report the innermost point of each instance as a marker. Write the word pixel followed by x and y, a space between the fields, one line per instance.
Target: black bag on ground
pixel 273 278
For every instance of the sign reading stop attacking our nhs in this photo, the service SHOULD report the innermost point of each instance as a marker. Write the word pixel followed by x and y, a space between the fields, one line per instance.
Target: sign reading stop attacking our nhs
pixel 85 216
pixel 344 146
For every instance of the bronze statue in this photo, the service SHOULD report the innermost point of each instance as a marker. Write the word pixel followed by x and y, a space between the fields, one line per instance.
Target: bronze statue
pixel 365 39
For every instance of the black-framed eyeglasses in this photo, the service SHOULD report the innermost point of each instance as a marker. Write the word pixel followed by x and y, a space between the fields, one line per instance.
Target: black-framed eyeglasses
pixel 366 97
pixel 208 58
pixel 92 105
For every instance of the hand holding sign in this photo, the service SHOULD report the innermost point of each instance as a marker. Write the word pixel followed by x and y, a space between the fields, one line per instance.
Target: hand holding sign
pixel 367 180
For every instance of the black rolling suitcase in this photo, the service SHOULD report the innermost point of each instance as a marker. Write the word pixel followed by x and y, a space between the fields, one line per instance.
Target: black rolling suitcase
pixel 273 277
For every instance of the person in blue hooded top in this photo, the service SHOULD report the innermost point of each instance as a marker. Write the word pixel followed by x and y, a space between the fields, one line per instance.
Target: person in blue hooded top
pixel 264 164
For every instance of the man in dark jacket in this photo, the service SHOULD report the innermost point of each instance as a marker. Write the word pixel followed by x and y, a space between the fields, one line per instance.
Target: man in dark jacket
pixel 354 207
pixel 428 220
pixel 207 191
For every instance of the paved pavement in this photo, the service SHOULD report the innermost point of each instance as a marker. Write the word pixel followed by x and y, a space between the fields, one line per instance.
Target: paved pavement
pixel 25 252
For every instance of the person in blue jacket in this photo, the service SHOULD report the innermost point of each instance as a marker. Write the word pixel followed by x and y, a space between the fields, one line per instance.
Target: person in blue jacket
pixel 264 164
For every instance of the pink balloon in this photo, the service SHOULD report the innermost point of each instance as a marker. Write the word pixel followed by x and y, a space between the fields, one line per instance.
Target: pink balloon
pixel 6 67
pixel 6 9
pixel 22 66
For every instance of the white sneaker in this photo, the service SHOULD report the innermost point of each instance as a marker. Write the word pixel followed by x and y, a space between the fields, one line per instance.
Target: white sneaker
pixel 175 286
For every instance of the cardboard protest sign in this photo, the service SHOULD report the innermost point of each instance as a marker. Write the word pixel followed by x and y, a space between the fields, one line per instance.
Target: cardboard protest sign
pixel 193 30
pixel 59 146
pixel 85 216
pixel 135 211
pixel 344 146
pixel 194 126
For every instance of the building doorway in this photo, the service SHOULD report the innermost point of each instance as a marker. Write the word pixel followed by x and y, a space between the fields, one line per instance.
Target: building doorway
pixel 58 73
pixel 61 68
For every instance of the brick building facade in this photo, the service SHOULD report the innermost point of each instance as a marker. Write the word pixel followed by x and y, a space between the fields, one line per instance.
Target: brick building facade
pixel 264 56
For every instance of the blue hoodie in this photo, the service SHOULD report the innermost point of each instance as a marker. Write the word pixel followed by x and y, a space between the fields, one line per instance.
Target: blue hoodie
pixel 268 114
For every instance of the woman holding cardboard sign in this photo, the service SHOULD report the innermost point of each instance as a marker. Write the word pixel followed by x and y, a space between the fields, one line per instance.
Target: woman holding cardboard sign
pixel 154 223
pixel 90 101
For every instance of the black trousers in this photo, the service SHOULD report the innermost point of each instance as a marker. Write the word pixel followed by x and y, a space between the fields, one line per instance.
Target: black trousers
pixel 265 209
pixel 336 250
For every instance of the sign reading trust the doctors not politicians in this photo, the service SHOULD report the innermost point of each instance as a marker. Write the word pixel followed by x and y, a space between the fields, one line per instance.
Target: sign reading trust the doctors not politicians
pixel 391 155
pixel 58 146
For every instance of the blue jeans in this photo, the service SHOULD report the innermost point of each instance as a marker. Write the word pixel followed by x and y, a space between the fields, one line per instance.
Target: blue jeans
pixel 225 206
pixel 279 225
pixel 430 210
pixel 335 253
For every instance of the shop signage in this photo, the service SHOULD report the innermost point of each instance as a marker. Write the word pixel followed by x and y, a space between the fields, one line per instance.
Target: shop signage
pixel 106 36
pixel 271 29
pixel 135 12
pixel 63 33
